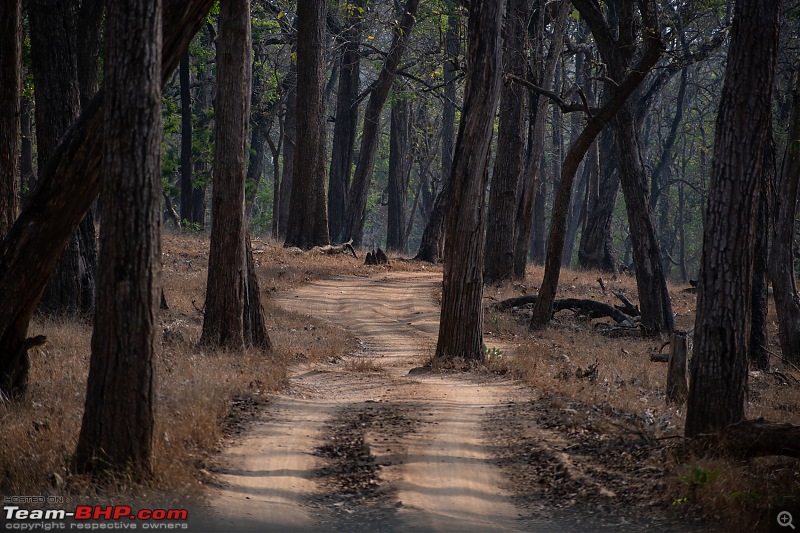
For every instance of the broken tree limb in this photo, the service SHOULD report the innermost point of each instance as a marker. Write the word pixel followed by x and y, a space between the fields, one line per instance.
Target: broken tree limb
pixel 592 308
pixel 753 438
pixel 627 307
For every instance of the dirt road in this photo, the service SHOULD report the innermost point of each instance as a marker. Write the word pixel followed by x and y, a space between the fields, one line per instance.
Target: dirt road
pixel 393 450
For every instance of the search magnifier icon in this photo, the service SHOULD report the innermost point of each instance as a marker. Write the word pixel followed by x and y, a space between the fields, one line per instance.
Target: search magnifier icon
pixel 785 519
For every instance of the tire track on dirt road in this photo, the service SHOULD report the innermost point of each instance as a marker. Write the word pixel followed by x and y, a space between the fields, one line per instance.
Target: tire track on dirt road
pixel 443 482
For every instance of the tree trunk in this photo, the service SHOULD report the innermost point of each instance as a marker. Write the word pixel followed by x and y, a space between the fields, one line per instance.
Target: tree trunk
pixel 29 252
pixel 654 298
pixel 90 23
pixel 26 148
pixel 532 182
pixel 400 163
pixel 359 191
pixel 758 351
pixel 55 71
pixel 223 322
pixel 255 327
pixel 117 428
pixel 289 145
pixel 596 248
pixel 345 128
pixel 307 225
pixel 677 385
pixel 555 244
pixel 186 139
pixel 722 329
pixel 430 244
pixel 501 215
pixel 257 162
pixel 781 264
pixel 461 323
pixel 10 91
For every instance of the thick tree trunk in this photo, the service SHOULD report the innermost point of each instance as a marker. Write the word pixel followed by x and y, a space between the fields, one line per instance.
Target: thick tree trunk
pixel 596 248
pixel 117 429
pixel 186 139
pixel 400 163
pixel 255 327
pixel 430 244
pixel 345 128
pixel 29 252
pixel 307 225
pixel 223 322
pixel 781 264
pixel 722 329
pixel 359 191
pixel 10 91
pixel 461 323
pixel 501 215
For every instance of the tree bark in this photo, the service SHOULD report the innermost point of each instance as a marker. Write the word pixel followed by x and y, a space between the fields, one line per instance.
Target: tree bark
pixel 758 351
pixel 223 322
pixel 461 323
pixel 345 128
pixel 89 25
pixel 501 215
pixel 400 163
pixel 289 146
pixel 10 92
pixel 781 264
pixel 722 328
pixel 359 191
pixel 117 428
pixel 307 225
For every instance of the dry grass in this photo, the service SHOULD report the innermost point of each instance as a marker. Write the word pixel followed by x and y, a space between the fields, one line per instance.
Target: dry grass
pixel 363 364
pixel 200 394
pixel 554 360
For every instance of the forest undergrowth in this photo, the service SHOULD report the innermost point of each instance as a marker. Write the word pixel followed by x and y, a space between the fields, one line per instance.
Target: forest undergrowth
pixel 586 385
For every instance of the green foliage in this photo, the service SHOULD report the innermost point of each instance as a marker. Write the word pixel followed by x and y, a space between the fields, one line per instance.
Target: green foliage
pixel 699 477
pixel 491 353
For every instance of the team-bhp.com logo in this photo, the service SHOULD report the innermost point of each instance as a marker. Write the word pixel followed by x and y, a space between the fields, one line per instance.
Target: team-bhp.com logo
pixel 94 517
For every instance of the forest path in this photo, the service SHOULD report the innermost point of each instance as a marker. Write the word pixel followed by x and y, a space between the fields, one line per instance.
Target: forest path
pixel 429 467
pixel 375 443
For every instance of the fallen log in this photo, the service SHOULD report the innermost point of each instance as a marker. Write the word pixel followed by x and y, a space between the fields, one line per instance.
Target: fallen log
pixel 627 307
pixel 332 249
pixel 592 308
pixel 753 438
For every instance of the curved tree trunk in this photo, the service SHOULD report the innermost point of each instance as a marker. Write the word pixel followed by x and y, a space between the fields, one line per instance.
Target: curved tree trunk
pixel 718 384
pixel 461 324
pixel 542 311
pixel 117 429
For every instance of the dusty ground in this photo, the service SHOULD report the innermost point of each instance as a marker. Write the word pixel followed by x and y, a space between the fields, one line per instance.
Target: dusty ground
pixel 377 443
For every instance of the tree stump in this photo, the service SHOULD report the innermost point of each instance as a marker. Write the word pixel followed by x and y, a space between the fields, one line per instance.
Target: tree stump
pixel 677 383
